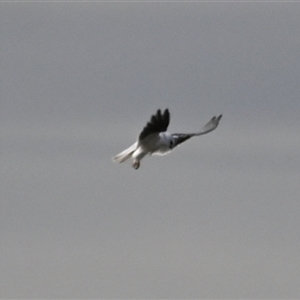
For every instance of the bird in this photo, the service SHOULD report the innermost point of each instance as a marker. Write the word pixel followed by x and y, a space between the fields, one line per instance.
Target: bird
pixel 154 138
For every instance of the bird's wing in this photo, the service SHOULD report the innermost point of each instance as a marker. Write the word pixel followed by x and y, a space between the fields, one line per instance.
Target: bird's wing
pixel 210 126
pixel 158 123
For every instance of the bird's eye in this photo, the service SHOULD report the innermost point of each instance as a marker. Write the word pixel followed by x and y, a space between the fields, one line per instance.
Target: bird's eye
pixel 171 144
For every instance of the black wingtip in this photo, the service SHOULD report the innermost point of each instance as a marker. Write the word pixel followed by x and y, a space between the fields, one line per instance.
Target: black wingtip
pixel 158 123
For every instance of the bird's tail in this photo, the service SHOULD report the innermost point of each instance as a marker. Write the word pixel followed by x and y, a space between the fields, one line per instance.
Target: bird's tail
pixel 124 155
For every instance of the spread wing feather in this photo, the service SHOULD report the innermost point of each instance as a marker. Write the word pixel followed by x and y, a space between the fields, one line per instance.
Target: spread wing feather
pixel 158 123
pixel 210 126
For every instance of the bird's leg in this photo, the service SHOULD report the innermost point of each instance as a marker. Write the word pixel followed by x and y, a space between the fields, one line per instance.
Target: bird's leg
pixel 136 164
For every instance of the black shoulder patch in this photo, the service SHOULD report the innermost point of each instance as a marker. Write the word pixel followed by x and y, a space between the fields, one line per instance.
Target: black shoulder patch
pixel 158 123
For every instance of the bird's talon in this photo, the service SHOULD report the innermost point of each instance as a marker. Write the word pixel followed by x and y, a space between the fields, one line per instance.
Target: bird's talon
pixel 136 164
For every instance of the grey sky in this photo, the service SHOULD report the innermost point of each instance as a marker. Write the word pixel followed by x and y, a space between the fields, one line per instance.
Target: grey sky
pixel 217 218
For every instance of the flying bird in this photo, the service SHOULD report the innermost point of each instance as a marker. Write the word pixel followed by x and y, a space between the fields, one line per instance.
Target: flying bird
pixel 154 138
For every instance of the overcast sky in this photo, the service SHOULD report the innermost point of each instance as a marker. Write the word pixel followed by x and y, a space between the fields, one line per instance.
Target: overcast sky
pixel 217 218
